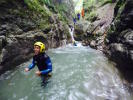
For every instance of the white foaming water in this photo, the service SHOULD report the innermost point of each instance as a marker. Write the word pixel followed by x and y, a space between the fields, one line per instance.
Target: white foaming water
pixel 78 44
pixel 71 31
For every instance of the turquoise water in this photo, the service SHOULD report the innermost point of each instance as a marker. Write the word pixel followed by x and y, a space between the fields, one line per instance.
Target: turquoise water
pixel 79 73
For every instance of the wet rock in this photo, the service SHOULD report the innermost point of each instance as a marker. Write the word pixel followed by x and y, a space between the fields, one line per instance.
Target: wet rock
pixel 25 25
pixel 123 47
pixel 93 44
pixel 68 5
pixel 2 41
pixel 15 53
pixel 51 19
pixel 85 43
pixel 81 29
pixel 120 40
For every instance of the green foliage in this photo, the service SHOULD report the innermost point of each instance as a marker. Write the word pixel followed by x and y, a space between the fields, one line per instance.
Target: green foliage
pixel 46 1
pixel 37 6
pixel 94 3
pixel 88 6
pixel 41 7
pixel 104 2
pixel 62 9
pixel 92 16
pixel 120 9
pixel 49 4
pixel 62 18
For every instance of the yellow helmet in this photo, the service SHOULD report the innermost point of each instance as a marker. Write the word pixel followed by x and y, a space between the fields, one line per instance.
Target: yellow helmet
pixel 41 45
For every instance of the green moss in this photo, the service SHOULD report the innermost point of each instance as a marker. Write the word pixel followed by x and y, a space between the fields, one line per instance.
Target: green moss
pixel 35 5
pixel 62 18
pixel 121 7
pixel 44 24
pixel 92 4
pixel 92 16
pixel 104 2
pixel 38 6
pixel 89 6
pixel 62 9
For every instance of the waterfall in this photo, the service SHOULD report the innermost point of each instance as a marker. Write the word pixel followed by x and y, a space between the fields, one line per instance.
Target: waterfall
pixel 74 42
pixel 71 31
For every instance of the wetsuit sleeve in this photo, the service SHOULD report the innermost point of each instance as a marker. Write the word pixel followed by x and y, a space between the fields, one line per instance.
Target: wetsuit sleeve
pixel 32 65
pixel 49 67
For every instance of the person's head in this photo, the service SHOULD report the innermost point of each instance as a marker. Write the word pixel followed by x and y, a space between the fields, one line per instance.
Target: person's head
pixel 39 47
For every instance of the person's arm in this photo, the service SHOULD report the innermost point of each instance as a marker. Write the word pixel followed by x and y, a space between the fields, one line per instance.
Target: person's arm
pixel 32 65
pixel 49 67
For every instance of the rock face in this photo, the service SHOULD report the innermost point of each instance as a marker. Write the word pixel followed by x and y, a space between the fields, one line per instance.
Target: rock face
pixel 120 38
pixel 81 29
pixel 20 28
pixel 68 7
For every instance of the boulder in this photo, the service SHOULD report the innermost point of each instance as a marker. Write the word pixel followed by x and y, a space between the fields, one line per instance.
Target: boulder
pixel 81 29
pixel 93 44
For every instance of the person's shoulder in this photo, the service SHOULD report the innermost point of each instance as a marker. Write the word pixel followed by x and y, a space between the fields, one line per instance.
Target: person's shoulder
pixel 46 56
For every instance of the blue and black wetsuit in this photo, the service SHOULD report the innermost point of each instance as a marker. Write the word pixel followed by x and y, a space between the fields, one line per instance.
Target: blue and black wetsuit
pixel 78 15
pixel 74 21
pixel 43 63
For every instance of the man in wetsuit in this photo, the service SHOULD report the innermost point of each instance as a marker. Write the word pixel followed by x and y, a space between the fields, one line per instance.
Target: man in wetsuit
pixel 78 16
pixel 74 21
pixel 41 59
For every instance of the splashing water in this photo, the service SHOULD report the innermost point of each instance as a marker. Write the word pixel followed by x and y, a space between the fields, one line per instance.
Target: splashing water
pixel 71 31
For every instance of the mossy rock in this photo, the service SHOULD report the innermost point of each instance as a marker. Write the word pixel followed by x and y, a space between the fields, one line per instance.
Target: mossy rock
pixel 92 16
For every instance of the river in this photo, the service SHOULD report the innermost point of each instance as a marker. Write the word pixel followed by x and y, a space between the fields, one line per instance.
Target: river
pixel 79 73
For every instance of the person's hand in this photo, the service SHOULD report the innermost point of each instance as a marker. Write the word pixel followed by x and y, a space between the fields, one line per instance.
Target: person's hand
pixel 38 73
pixel 26 69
